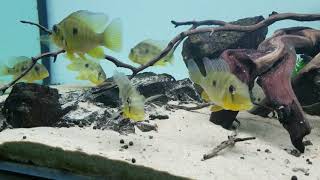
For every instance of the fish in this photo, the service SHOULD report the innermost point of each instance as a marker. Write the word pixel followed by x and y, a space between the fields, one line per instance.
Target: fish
pixel 84 32
pixel 220 86
pixel 17 65
pixel 88 70
pixel 132 101
pixel 144 51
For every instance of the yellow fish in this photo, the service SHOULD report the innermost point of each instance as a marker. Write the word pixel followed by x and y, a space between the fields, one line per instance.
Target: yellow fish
pixel 220 86
pixel 19 64
pixel 84 32
pixel 88 70
pixel 132 100
pixel 144 51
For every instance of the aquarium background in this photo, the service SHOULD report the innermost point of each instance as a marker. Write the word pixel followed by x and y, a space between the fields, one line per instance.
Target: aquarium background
pixel 142 19
pixel 16 38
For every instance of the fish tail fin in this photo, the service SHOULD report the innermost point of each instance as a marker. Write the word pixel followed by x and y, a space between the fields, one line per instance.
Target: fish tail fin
pixel 4 70
pixel 194 72
pixel 112 36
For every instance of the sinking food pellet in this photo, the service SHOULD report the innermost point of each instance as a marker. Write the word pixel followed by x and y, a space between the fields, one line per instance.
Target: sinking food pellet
pixel 130 143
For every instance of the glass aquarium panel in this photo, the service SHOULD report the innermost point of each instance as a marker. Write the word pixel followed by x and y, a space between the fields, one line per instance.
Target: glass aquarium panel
pixel 18 39
pixel 145 19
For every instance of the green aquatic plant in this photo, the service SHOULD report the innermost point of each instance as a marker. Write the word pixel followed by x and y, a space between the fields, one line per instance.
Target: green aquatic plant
pixel 300 63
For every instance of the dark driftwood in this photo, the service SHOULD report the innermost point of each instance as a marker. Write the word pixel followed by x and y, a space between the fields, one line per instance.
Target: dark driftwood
pixel 273 63
pixel 224 26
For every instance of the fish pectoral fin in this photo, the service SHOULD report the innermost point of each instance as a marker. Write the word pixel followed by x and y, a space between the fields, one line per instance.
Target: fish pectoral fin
pixel 205 96
pixel 97 53
pixel 215 108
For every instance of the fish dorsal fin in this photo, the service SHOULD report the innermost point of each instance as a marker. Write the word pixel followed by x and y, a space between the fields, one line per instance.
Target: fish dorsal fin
pixel 123 83
pixel 159 44
pixel 12 61
pixel 215 65
pixel 194 72
pixel 96 21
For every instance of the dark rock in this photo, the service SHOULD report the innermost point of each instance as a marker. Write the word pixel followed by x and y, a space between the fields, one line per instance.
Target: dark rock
pixel 162 86
pixel 84 114
pixel 32 105
pixel 267 151
pixel 121 141
pixel 203 45
pixel 294 178
pixel 109 97
pixel 125 146
pixel 183 90
pixel 133 160
pixel 150 84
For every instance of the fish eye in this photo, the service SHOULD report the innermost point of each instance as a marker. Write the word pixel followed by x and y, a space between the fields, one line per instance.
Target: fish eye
pixel 146 50
pixel 36 68
pixel 86 65
pixel 74 31
pixel 232 89
pixel 214 83
pixel 55 28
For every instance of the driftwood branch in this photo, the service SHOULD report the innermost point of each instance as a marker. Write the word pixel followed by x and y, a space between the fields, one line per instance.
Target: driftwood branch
pixel 223 26
pixel 119 63
pixel 34 61
pixel 232 140
pixel 200 106
pixel 38 25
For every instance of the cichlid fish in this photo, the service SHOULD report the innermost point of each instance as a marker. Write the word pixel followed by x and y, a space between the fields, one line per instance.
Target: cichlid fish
pixel 132 100
pixel 17 65
pixel 84 32
pixel 88 70
pixel 220 86
pixel 144 51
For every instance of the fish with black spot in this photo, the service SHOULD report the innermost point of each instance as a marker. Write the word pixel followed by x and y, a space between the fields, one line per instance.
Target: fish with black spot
pixel 17 65
pixel 220 85
pixel 84 32
pixel 88 70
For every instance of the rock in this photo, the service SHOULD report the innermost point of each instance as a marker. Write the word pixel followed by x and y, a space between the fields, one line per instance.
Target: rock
pixel 183 90
pixel 158 116
pixel 149 84
pixel 203 45
pixel 32 105
pixel 84 114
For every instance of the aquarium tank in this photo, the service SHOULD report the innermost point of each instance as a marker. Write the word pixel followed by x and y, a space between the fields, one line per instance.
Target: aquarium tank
pixel 144 89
